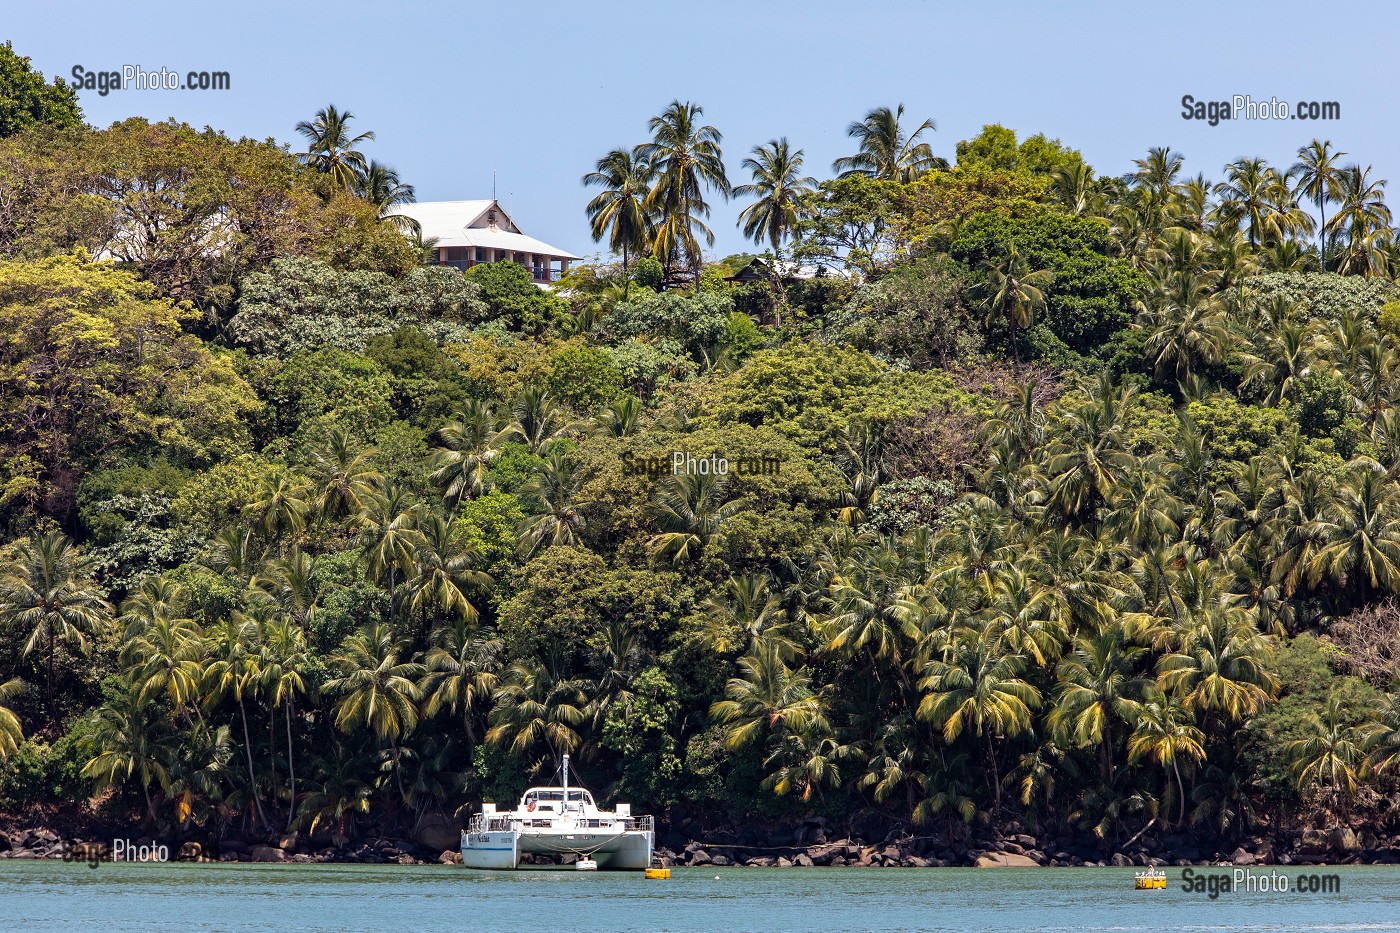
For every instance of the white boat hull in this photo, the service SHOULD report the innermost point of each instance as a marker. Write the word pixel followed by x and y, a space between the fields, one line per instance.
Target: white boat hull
pixel 501 850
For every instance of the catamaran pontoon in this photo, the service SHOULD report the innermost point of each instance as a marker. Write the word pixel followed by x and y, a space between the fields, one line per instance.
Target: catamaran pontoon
pixel 558 821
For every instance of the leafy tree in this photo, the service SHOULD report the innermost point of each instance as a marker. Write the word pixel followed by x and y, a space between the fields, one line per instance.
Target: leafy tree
pixel 26 100
pixel 514 301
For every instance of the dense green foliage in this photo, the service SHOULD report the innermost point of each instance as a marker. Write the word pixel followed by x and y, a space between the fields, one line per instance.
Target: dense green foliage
pixel 1058 498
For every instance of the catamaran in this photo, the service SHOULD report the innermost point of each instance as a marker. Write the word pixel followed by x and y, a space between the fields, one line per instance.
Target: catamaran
pixel 556 821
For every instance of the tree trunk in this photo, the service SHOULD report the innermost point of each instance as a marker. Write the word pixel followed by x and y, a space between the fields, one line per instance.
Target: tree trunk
pixel 248 753
pixel 48 688
pixel 291 766
pixel 996 778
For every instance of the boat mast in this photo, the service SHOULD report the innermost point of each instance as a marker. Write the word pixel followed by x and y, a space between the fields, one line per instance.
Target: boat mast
pixel 566 780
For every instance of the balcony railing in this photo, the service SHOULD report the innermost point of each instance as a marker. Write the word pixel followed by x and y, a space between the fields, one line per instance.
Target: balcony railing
pixel 537 273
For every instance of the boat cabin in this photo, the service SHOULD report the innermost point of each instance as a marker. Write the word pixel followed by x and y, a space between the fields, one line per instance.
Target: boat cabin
pixel 552 798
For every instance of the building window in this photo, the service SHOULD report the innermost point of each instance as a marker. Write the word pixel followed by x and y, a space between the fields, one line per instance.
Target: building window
pixel 480 254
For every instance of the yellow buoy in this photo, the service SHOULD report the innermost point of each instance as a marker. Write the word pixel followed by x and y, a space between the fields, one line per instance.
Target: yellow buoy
pixel 660 874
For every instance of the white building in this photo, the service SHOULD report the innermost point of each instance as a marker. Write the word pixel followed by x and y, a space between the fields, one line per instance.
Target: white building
pixel 469 232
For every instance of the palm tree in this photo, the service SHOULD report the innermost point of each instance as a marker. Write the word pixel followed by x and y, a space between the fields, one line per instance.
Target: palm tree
pixel 233 669
pixel 343 476
pixel 380 185
pixel 777 188
pixel 618 213
pixel 11 732
pixel 691 510
pixel 330 148
pixel 127 746
pixel 555 515
pixel 1360 532
pixel 1330 757
pixel 977 688
pixel 1363 218
pixel 47 592
pixel 375 690
pixel 281 672
pixel 164 657
pixel 1165 735
pixel 463 673
pixel 281 506
pixel 1382 733
pixel 533 707
pixel 1097 687
pixel 538 418
pixel 886 152
pixel 389 534
pixel 622 418
pixel 1244 195
pixel 686 159
pixel 1013 292
pixel 1158 172
pixel 443 574
pixel 766 698
pixel 1220 665
pixel 471 439
pixel 1186 329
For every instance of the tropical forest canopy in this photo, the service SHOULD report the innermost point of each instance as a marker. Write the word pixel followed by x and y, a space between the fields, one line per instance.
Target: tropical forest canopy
pixel 1081 507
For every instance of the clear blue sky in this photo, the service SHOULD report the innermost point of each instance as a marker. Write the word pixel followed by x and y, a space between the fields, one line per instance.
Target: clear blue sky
pixel 538 91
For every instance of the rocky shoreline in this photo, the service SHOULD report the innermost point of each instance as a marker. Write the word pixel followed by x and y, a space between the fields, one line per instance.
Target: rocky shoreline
pixel 814 843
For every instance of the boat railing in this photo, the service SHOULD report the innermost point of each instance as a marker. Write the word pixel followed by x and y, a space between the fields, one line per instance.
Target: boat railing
pixel 480 823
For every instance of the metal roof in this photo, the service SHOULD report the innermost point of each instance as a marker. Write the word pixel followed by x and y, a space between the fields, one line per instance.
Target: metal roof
pixel 463 223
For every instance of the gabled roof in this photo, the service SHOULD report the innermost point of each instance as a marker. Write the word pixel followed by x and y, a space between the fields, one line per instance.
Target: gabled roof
pixel 466 223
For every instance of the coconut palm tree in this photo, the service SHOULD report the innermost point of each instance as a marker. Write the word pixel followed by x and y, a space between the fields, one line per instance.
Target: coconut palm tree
pixel 539 419
pixel 331 150
pixel 1220 665
pixel 1360 533
pixel 1098 691
pixel 767 698
pixel 535 707
pixel 618 213
pixel 282 671
pixel 471 439
pixel 1382 735
pixel 1363 219
pixel 380 185
pixel 691 509
pixel 443 573
pixel 556 515
pixel 1012 293
pixel 687 160
pixel 47 593
pixel 1319 178
pixel 389 535
pixel 281 506
pixel 1244 196
pixel 777 188
pixel 1330 757
pixel 233 652
pixel 342 476
pixel 374 688
pixel 463 672
pixel 977 688
pixel 1158 172
pixel 886 151
pixel 1165 735
pixel 129 744
pixel 11 732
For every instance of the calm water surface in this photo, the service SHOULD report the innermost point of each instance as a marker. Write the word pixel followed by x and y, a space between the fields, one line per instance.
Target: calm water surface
pixel 240 897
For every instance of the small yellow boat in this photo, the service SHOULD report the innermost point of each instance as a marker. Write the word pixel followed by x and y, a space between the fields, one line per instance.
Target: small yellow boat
pixel 1150 880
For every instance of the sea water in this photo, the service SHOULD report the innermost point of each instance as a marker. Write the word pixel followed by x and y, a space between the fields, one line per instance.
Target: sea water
pixel 231 897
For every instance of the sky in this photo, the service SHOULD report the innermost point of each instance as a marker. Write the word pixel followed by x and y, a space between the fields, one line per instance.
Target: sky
pixel 537 92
